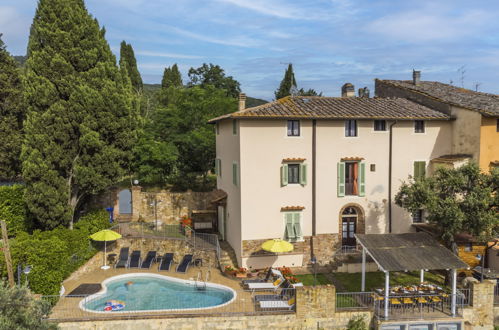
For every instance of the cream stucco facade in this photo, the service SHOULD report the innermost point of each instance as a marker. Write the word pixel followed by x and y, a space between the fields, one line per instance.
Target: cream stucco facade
pixel 254 206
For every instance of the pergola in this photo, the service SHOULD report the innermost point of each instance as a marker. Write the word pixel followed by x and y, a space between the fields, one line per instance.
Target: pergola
pixel 408 252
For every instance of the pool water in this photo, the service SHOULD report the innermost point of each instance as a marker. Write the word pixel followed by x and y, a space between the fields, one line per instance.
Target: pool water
pixel 146 293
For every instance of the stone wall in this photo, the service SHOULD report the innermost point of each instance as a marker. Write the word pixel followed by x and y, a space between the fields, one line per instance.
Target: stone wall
pixel 325 246
pixel 481 315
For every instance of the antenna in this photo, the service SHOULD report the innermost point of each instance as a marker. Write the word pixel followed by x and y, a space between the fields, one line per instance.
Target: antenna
pixel 462 71
pixel 477 85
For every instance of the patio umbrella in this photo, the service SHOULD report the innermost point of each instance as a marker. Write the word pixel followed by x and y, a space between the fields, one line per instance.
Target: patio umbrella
pixel 105 236
pixel 277 245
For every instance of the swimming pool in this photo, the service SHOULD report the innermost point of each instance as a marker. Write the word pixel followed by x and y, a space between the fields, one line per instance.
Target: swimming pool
pixel 141 292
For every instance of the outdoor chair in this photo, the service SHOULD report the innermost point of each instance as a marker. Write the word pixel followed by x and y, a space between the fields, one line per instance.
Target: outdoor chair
pixel 123 258
pixel 166 262
pixel 266 286
pixel 278 304
pixel 135 259
pixel 150 257
pixel 183 266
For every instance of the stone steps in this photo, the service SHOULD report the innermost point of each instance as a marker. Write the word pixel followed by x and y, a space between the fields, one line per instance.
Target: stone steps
pixel 227 255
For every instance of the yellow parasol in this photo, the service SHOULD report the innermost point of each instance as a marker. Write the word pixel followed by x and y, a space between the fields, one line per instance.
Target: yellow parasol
pixel 105 236
pixel 277 245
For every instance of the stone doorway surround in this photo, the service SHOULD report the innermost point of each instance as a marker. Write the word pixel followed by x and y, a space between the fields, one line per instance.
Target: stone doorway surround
pixel 360 227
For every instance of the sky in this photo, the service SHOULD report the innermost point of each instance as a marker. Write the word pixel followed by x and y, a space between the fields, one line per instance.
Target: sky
pixel 329 42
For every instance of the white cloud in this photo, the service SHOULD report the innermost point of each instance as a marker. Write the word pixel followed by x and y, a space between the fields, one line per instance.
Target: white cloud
pixel 278 9
pixel 240 41
pixel 169 55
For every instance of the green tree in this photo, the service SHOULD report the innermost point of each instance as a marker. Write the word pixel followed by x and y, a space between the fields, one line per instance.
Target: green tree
pixel 20 310
pixel 214 75
pixel 171 77
pixel 456 200
pixel 80 123
pixel 288 83
pixel 309 92
pixel 357 323
pixel 13 209
pixel 127 60
pixel 11 115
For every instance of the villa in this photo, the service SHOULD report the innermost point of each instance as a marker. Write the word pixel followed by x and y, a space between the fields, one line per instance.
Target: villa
pixel 317 170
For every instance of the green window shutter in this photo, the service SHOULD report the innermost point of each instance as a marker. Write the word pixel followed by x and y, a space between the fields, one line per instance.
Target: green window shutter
pixel 290 234
pixel 284 175
pixel 296 225
pixel 234 174
pixel 362 179
pixel 341 179
pixel 303 174
pixel 419 170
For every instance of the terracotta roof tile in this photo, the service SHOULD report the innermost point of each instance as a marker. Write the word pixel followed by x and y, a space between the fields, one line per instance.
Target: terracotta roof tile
pixel 485 103
pixel 318 107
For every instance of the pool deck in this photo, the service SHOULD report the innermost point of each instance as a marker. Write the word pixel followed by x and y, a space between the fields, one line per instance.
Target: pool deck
pixel 67 308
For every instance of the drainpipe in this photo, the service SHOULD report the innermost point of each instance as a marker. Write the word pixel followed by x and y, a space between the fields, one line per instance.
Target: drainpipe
pixel 390 157
pixel 314 179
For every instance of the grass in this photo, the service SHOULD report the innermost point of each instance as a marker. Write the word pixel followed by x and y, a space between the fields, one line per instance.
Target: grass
pixel 351 281
pixel 308 279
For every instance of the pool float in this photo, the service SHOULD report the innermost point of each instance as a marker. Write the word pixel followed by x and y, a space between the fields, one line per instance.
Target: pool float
pixel 128 284
pixel 114 305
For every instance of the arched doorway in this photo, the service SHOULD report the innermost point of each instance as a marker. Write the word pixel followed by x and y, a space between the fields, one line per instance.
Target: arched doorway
pixel 349 219
pixel 125 201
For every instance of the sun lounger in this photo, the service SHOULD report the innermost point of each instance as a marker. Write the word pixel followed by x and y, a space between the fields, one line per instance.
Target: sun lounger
pixel 260 280
pixel 183 266
pixel 123 258
pixel 150 257
pixel 277 304
pixel 266 286
pixel 166 262
pixel 135 260
pixel 283 295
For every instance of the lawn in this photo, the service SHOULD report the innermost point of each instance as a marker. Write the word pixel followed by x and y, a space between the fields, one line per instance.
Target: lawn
pixel 351 281
pixel 308 279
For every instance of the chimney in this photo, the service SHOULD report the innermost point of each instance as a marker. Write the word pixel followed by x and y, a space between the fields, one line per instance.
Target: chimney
pixel 347 90
pixel 416 77
pixel 364 92
pixel 242 101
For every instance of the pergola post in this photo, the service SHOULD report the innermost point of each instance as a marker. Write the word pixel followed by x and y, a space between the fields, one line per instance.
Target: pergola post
pixel 453 297
pixel 363 284
pixel 387 292
pixel 421 276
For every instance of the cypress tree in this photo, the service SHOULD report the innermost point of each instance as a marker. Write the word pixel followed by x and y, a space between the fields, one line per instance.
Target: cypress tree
pixel 171 77
pixel 288 83
pixel 79 113
pixel 11 115
pixel 127 60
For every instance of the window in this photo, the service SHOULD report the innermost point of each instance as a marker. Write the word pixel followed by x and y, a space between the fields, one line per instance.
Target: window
pixel 218 167
pixel 417 217
pixel 293 128
pixel 293 226
pixel 234 127
pixel 351 179
pixel 373 167
pixel 293 174
pixel 419 170
pixel 419 126
pixel 235 174
pixel 349 219
pixel 350 128
pixel 468 247
pixel 380 125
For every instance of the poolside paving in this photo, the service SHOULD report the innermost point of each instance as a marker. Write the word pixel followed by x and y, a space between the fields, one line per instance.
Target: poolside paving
pixel 67 308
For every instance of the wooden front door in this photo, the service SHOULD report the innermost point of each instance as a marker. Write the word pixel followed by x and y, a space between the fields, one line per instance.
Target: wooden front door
pixel 349 226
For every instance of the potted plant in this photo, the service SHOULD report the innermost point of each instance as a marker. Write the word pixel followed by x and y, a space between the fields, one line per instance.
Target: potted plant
pixel 229 270
pixel 241 272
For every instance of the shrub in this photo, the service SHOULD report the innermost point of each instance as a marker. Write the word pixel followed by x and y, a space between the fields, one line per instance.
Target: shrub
pixel 55 254
pixel 13 209
pixel 357 323
pixel 19 310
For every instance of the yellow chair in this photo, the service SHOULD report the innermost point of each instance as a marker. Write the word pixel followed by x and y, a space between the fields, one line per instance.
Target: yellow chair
pixel 394 302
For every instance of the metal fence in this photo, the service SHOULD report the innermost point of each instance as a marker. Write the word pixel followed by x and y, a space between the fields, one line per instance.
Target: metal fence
pixel 354 300
pixel 191 303
pixel 151 230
